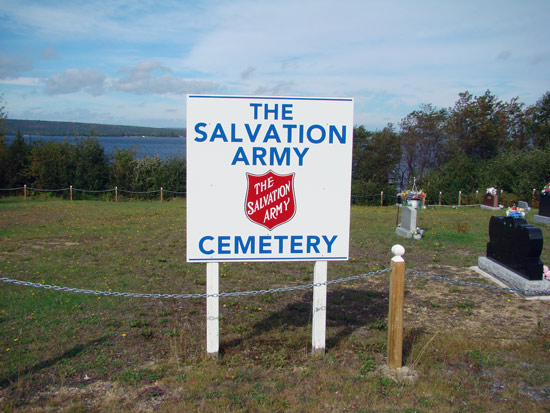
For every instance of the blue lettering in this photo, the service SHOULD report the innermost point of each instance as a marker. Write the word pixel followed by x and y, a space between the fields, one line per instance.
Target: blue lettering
pixel 296 244
pixel 313 243
pixel 311 138
pixel 201 132
pixel 300 155
pixel 329 243
pixel 274 156
pixel 201 244
pixel 218 133
pixel 252 136
pixel 272 134
pixel 233 134
pixel 265 244
pixel 244 247
pixel 287 111
pixel 240 156
pixel 258 154
pixel 332 131
pixel 223 242
pixel 255 106
pixel 267 111
pixel 289 129
pixel 280 238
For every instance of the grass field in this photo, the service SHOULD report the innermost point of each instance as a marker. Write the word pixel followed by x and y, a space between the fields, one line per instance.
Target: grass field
pixel 473 349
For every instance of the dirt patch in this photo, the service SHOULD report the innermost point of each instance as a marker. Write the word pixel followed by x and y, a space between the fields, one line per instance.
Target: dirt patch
pixel 443 306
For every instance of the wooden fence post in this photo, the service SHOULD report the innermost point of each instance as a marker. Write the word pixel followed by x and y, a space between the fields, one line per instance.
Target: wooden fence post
pixel 161 194
pixel 396 304
pixel 533 197
pixel 381 198
pixel 116 194
pixel 70 192
pixel 25 192
pixel 459 197
pixel 439 198
pixel 319 321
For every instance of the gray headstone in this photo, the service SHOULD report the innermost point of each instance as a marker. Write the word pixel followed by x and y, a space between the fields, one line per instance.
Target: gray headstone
pixel 408 222
pixel 524 205
pixel 408 219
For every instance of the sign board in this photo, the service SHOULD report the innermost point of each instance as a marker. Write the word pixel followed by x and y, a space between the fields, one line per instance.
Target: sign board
pixel 268 178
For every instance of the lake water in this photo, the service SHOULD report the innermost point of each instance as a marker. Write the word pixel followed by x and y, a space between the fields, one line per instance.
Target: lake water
pixel 144 146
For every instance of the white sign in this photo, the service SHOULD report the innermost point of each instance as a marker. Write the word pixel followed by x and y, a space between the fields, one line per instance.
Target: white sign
pixel 268 178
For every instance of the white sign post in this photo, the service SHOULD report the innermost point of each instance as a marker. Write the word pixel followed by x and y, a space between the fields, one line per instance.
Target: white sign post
pixel 268 179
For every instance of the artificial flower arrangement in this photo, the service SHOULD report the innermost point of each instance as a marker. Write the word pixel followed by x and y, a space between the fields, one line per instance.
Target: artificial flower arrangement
pixel 515 212
pixel 418 231
pixel 546 273
pixel 412 195
pixel 492 191
pixel 546 189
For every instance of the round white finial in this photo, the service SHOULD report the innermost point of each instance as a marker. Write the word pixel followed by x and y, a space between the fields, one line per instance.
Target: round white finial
pixel 397 250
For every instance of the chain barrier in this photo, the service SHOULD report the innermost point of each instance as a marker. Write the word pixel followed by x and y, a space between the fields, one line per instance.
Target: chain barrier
pixel 138 192
pixel 185 296
pixel 12 189
pixel 47 190
pixel 486 286
pixel 453 206
pixel 524 292
pixel 95 192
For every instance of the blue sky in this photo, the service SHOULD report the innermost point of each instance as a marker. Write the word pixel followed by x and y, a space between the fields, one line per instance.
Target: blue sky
pixel 133 62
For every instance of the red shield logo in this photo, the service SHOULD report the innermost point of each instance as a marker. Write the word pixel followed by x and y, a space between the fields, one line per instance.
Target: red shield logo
pixel 270 199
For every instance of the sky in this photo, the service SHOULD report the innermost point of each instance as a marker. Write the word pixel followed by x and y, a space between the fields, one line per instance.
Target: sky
pixel 133 62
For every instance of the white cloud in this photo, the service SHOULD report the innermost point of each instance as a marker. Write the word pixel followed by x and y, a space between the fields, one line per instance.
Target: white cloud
pixel 22 81
pixel 75 80
pixel 12 67
pixel 143 79
pixel 49 53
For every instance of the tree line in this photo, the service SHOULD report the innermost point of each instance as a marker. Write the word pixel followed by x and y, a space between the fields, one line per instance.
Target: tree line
pixel 52 128
pixel 479 142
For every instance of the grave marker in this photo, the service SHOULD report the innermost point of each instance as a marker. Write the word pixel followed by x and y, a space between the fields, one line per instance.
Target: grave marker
pixel 543 216
pixel 524 205
pixel 408 222
pixel 517 245
pixel 490 200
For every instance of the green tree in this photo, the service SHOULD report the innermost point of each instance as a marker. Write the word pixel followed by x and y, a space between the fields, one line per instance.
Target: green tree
pixel 4 155
pixel 375 157
pixel 148 174
pixel 91 166
pixel 173 176
pixel 18 160
pixel 478 125
pixel 460 173
pixel 122 168
pixel 518 172
pixel 424 142
pixel 52 165
pixel 539 121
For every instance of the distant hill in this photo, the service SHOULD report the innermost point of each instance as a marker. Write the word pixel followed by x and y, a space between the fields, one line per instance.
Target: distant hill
pixel 49 128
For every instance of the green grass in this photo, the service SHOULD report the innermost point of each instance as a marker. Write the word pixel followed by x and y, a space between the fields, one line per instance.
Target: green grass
pixel 473 349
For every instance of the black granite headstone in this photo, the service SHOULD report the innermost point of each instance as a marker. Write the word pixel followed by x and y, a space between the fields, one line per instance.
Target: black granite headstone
pixel 544 204
pixel 517 245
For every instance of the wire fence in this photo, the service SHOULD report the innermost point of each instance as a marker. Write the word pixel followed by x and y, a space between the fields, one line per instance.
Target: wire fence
pixel 523 292
pixel 381 199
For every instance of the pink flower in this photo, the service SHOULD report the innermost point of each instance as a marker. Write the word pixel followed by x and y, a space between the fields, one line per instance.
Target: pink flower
pixel 546 272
